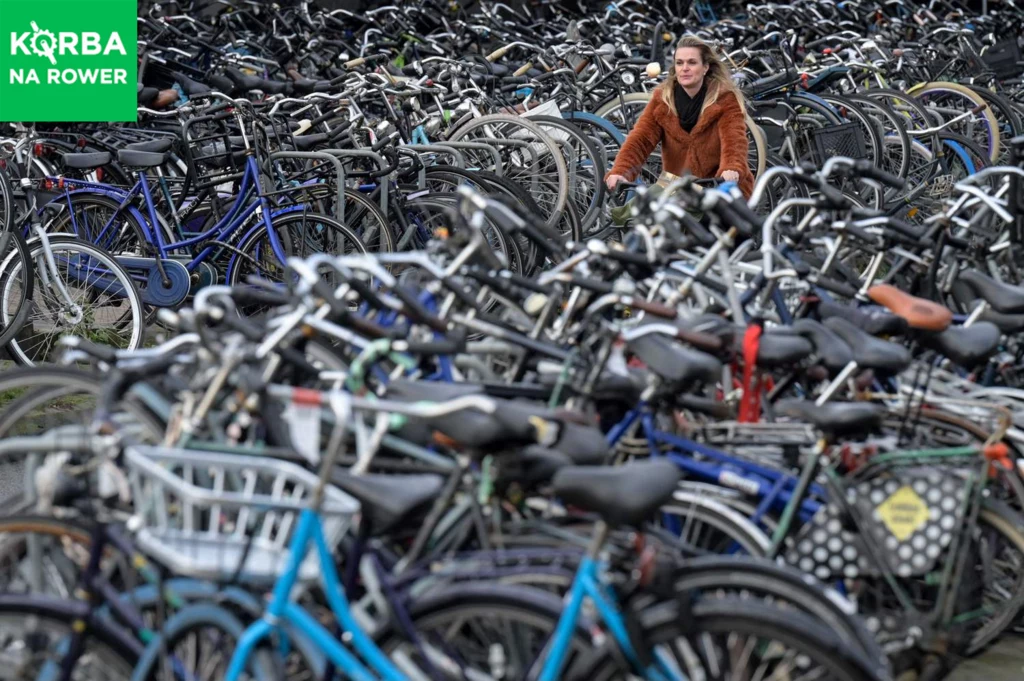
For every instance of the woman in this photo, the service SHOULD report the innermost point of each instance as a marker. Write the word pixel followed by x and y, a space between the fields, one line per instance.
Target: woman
pixel 697 116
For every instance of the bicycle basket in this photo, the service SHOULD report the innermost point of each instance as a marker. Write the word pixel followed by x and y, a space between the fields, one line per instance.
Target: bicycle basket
pixel 199 510
pixel 845 139
pixel 906 508
pixel 1004 59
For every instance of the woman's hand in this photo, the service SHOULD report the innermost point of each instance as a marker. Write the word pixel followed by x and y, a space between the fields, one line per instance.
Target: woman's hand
pixel 613 180
pixel 730 176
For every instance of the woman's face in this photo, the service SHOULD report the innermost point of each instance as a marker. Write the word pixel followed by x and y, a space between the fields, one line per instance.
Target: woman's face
pixel 690 68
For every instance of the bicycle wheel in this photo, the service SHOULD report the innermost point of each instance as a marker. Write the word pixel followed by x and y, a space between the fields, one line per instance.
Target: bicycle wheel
pixel 735 640
pixel 80 290
pixel 528 157
pixel 300 235
pixel 20 278
pixel 33 635
pixel 585 165
pixel 496 629
pixel 1000 572
pixel 950 100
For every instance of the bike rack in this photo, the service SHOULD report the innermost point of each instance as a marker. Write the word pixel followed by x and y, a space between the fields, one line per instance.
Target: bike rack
pixel 373 156
pixel 480 146
pixel 457 158
pixel 339 198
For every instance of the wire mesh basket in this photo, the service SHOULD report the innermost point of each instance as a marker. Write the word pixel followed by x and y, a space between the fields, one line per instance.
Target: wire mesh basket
pixel 1004 59
pixel 844 139
pixel 214 516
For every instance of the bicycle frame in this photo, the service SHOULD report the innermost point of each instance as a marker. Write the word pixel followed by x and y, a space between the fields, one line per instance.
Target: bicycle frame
pixel 773 488
pixel 280 608
pixel 234 219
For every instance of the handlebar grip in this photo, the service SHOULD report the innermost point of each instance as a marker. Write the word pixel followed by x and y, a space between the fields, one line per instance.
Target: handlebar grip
pixel 733 218
pixel 957 242
pixel 103 353
pixel 978 109
pixel 700 340
pixel 833 286
pixel 323 118
pixel 416 312
pixel 445 346
pixel 383 142
pixel 657 309
pixel 392 157
pixel 498 53
pixel 871 171
pixel 906 229
pixel 628 257
pixel 595 285
pixel 512 87
pixel 862 235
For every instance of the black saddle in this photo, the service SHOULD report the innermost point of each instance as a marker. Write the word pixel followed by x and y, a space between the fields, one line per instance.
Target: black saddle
pixel 830 348
pixel 1002 297
pixel 870 352
pixel 513 424
pixel 621 495
pixel 89 161
pixel 874 321
pixel 967 346
pixel 153 146
pixel 781 348
pixel 675 362
pixel 246 83
pixel 840 419
pixel 190 87
pixel 140 159
pixel 389 500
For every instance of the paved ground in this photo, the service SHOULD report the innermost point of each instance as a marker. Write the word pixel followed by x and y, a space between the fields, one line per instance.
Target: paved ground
pixel 1002 662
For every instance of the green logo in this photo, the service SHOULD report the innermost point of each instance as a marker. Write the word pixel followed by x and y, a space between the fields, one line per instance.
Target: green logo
pixel 68 60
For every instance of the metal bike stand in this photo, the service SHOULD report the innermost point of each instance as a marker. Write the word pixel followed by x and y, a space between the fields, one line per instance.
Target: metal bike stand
pixel 480 146
pixel 339 199
pixel 376 158
pixel 457 158
pixel 522 144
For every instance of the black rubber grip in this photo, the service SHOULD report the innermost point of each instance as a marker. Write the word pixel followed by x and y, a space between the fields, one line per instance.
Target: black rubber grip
pixel 628 257
pixel 444 346
pixel 414 310
pixel 869 170
pixel 101 352
pixel 833 286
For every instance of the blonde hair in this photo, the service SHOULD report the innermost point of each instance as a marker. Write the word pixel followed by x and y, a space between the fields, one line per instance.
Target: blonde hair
pixel 718 78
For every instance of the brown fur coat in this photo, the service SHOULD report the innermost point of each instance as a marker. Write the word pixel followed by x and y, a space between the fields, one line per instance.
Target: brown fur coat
pixel 718 142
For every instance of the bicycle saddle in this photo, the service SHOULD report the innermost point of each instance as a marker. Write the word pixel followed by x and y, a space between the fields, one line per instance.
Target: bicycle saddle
pixel 967 346
pixel 840 419
pixel 86 161
pixel 153 146
pixel 781 348
pixel 140 159
pixel 190 87
pixel 830 348
pixel 870 352
pixel 621 495
pixel 919 313
pixel 875 322
pixel 389 501
pixel 673 361
pixel 1003 298
pixel 246 83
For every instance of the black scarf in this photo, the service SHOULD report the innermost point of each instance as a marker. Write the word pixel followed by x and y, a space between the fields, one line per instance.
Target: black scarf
pixel 687 107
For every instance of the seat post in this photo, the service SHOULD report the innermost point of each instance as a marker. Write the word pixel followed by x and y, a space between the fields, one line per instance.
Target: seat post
pixel 598 540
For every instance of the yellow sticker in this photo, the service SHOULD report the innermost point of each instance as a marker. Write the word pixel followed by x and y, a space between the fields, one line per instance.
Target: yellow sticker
pixel 903 512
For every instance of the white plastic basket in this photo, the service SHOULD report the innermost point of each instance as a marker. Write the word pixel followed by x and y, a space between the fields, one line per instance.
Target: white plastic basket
pixel 198 510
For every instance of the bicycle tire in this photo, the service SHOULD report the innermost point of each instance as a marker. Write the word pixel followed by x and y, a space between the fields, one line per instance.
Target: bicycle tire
pixel 666 629
pixel 14 248
pixel 120 285
pixel 555 153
